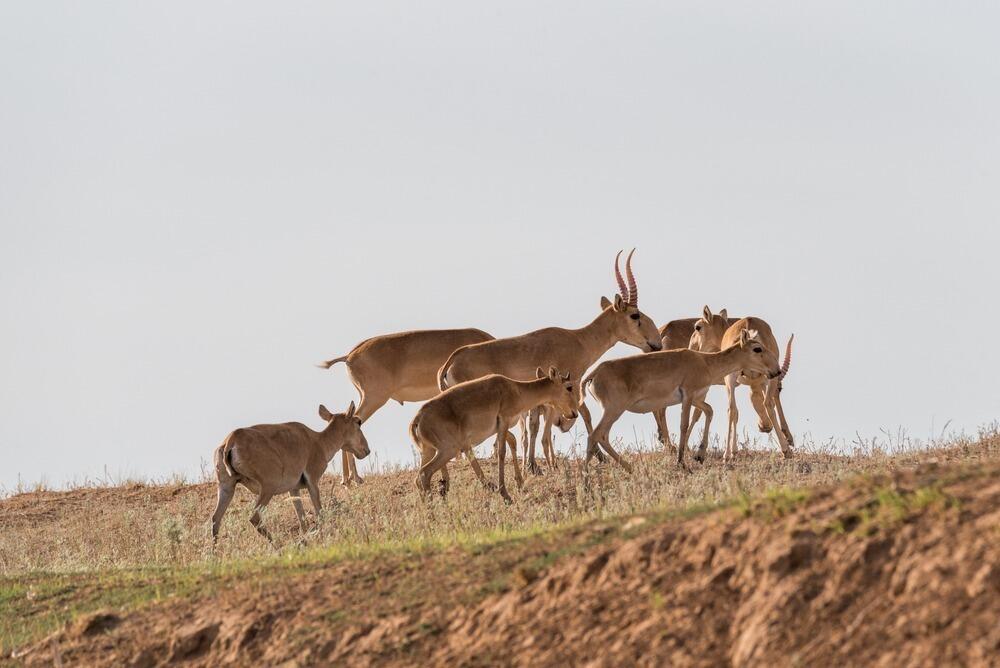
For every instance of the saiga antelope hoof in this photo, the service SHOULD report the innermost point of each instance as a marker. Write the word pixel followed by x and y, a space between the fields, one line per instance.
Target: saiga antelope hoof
pixel 535 469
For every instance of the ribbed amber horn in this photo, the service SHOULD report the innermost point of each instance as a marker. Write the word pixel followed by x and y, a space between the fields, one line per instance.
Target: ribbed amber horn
pixel 633 289
pixel 622 290
pixel 788 357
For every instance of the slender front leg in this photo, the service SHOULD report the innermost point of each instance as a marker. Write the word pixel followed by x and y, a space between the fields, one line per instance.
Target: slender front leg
pixel 662 432
pixel 734 416
pixel 313 487
pixel 547 446
pixel 769 402
pixel 685 430
pixel 445 482
pixel 530 465
pixel 501 449
pixel 300 513
pixel 512 444
pixel 369 404
pixel 585 414
pixel 781 416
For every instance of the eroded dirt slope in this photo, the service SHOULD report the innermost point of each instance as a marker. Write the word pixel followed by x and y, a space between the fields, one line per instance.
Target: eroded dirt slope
pixel 901 570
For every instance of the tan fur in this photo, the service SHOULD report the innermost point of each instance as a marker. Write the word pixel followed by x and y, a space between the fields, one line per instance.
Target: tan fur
pixel 649 383
pixel 271 459
pixel 400 367
pixel 573 350
pixel 468 413
pixel 675 335
pixel 764 393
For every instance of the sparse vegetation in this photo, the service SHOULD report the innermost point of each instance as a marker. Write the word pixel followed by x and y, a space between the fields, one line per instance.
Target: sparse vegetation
pixel 63 554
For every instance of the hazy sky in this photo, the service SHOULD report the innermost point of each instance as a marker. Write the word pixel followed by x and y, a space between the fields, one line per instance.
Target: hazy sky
pixel 199 201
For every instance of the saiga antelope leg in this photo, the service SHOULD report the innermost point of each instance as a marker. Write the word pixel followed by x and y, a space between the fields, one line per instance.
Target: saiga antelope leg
pixel 734 416
pixel 685 430
pixel 501 448
pixel 474 463
pixel 781 416
pixel 661 426
pixel 262 500
pixel 547 446
pixel 758 397
pixel 225 498
pixel 512 443
pixel 529 453
pixel 366 409
pixel 702 406
pixel 769 401
pixel 600 431
pixel 299 511
pixel 445 481
pixel 602 437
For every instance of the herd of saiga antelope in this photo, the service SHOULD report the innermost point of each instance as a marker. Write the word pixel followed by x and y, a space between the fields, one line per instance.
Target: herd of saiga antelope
pixel 477 387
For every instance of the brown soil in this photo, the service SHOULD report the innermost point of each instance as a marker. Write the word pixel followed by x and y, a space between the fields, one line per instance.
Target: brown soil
pixel 893 571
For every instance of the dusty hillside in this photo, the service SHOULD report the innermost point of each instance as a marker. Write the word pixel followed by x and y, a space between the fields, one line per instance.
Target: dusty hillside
pixel 900 568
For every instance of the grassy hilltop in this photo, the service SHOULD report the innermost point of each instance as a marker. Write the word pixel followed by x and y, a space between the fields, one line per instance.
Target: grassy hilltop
pixel 824 557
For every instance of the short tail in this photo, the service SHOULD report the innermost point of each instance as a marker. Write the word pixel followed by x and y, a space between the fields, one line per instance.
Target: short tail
pixel 329 363
pixel 227 457
pixel 585 385
pixel 413 433
pixel 443 373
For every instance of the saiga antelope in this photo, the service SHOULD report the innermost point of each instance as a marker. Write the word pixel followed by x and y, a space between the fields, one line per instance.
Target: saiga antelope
pixel 271 459
pixel 401 367
pixel 764 392
pixel 463 416
pixel 572 350
pixel 677 334
pixel 648 383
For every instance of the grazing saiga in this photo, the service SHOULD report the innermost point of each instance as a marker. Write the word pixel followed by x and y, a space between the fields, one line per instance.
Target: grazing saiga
pixel 648 383
pixel 764 392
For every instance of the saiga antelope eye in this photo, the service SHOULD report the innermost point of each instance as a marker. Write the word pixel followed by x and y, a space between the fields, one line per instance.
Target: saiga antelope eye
pixel 757 350
pixel 635 316
pixel 697 328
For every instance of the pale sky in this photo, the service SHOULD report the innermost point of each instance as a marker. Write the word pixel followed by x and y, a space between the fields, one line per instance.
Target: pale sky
pixel 199 201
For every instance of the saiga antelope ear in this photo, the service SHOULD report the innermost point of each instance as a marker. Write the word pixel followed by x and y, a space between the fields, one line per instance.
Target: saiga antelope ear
pixel 707 313
pixel 325 414
pixel 566 377
pixel 744 337
pixel 539 373
pixel 605 303
pixel 619 303
pixel 752 333
pixel 724 314
pixel 350 410
pixel 553 373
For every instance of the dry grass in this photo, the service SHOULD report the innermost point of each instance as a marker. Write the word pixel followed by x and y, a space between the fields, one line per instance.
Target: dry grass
pixel 154 526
